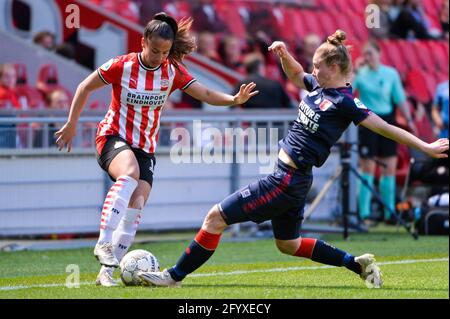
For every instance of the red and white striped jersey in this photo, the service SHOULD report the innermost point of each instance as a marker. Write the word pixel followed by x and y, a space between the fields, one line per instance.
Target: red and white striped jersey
pixel 138 97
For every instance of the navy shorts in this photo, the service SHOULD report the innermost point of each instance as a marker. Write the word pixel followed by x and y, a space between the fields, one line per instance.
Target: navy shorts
pixel 373 145
pixel 114 145
pixel 279 197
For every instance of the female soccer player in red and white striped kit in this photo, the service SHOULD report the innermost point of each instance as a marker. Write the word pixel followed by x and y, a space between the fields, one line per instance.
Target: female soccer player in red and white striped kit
pixel 128 135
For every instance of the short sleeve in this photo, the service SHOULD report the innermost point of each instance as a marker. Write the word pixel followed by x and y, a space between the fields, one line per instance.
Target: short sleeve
pixel 398 94
pixel 354 110
pixel 310 82
pixel 111 72
pixel 183 79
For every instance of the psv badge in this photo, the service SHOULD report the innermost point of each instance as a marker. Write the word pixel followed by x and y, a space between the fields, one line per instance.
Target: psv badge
pixel 164 83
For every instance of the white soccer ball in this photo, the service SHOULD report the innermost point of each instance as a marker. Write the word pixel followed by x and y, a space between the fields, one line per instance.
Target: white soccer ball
pixel 135 261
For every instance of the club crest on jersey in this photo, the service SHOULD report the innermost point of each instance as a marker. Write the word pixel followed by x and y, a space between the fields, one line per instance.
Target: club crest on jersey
pixel 359 104
pixel 165 83
pixel 325 105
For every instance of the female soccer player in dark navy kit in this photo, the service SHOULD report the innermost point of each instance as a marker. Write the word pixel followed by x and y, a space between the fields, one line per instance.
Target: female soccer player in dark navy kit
pixel 324 115
pixel 127 137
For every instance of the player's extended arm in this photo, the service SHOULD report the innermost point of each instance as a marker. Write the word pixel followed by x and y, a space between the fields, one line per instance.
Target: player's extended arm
pixel 202 93
pixel 436 149
pixel 294 70
pixel 67 132
pixel 408 116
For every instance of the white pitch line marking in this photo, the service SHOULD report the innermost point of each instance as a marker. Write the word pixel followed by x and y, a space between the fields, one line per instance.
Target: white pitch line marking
pixel 240 272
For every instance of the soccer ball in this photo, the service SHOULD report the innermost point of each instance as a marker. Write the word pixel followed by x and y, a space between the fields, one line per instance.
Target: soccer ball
pixel 135 261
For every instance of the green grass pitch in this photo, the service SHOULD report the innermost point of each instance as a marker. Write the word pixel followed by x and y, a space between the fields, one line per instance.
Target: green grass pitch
pixel 255 269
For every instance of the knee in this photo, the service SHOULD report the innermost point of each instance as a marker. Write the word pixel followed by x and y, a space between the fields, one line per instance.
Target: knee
pixel 133 172
pixel 214 222
pixel 288 247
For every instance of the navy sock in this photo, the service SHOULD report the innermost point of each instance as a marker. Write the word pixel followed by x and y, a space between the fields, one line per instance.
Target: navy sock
pixel 194 256
pixel 198 252
pixel 325 253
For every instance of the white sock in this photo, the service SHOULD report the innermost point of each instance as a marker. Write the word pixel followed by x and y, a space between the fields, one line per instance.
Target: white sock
pixel 123 236
pixel 115 205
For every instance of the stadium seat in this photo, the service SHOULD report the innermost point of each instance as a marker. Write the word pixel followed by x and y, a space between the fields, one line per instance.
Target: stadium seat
pixel 33 96
pixel 393 54
pixel 229 13
pixel 410 55
pixel 417 86
pixel 48 80
pixel 298 24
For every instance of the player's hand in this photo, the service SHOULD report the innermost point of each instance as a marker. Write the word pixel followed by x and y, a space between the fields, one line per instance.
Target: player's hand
pixel 279 48
pixel 245 92
pixel 65 136
pixel 438 148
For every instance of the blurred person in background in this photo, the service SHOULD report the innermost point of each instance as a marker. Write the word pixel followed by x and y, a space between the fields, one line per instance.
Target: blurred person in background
pixel 207 46
pixel 206 17
pixel 384 29
pixel 230 52
pixel 271 93
pixel 58 100
pixel 9 100
pixel 439 110
pixel 45 39
pixel 411 22
pixel 8 95
pixel 380 88
pixel 306 51
pixel 443 19
pixel 128 135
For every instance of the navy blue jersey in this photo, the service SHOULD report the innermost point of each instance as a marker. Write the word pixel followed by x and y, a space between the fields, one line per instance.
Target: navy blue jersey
pixel 324 114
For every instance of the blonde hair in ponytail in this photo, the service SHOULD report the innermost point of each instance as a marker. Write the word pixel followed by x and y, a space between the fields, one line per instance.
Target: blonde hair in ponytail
pixel 335 52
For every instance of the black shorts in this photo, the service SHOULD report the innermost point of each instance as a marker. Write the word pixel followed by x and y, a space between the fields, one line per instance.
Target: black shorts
pixel 110 150
pixel 279 197
pixel 373 145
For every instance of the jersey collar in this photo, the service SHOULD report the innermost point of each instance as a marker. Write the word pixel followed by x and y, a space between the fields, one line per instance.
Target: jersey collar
pixel 146 67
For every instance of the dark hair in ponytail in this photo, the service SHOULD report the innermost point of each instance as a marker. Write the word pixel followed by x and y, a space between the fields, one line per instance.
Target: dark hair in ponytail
pixel 166 27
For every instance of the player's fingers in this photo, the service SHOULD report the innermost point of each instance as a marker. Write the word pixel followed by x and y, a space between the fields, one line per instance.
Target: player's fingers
pixel 253 93
pixel 250 87
pixel 69 146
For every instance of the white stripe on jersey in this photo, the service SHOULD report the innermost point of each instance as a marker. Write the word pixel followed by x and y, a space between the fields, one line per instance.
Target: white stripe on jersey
pixel 123 99
pixel 107 123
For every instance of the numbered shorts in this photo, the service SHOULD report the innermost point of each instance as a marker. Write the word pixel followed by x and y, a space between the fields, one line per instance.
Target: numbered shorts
pixel 279 197
pixel 109 146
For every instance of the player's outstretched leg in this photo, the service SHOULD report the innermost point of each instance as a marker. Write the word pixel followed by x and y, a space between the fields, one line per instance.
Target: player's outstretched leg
pixel 198 252
pixel 322 252
pixel 115 205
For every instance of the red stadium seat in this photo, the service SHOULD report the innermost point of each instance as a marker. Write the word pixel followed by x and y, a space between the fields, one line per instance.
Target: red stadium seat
pixel 417 85
pixel 48 80
pixel 229 13
pixel 409 54
pixel 33 96
pixel 393 54
pixel 299 23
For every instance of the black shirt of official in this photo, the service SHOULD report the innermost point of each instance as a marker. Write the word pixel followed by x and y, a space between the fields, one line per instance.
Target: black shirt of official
pixel 271 94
